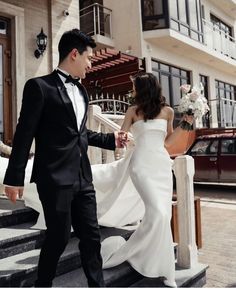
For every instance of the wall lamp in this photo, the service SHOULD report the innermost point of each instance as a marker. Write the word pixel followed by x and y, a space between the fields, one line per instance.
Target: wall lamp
pixel 41 43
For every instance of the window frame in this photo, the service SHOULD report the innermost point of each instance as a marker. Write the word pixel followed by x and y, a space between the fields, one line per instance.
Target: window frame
pixel 156 69
pixel 164 15
pixel 189 28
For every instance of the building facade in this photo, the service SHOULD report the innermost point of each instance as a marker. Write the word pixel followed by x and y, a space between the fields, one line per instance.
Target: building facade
pixel 181 41
pixel 20 23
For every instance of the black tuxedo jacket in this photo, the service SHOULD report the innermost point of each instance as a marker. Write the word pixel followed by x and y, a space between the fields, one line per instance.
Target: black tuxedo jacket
pixel 60 147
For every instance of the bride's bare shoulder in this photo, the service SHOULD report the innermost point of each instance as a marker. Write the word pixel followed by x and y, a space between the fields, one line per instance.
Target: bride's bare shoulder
pixel 131 110
pixel 168 111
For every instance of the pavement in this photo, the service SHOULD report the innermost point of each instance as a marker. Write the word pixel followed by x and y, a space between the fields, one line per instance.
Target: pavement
pixel 218 212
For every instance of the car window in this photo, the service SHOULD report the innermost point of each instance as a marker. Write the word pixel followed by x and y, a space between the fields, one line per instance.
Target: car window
pixel 200 147
pixel 213 148
pixel 205 147
pixel 228 146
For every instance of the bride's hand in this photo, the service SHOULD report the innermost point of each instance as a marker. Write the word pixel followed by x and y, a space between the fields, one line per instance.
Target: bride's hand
pixel 121 139
pixel 188 118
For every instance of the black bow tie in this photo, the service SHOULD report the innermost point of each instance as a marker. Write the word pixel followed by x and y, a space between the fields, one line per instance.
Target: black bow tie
pixel 69 78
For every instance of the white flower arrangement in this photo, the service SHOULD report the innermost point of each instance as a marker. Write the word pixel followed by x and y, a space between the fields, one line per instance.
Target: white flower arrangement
pixel 192 103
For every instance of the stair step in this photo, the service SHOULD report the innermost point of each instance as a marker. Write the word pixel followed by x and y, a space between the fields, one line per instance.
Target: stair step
pixel 120 276
pixel 19 253
pixel 20 269
pixel 125 276
pixel 19 238
pixel 194 277
pixel 13 214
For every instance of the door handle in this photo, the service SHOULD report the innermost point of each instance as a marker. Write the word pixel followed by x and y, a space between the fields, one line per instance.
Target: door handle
pixel 213 159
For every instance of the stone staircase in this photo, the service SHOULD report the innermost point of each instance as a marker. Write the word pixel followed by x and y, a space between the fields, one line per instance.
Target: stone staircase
pixel 20 247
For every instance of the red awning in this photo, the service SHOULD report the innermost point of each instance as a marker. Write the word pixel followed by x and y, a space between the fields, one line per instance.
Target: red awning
pixel 110 72
pixel 110 58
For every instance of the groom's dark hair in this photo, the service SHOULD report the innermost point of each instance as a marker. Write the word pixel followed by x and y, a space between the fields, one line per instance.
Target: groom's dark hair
pixel 74 39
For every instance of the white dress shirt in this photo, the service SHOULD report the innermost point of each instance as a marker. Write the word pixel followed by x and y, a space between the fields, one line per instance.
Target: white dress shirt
pixel 76 98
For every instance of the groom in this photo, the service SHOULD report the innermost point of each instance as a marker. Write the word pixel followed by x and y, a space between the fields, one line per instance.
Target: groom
pixel 54 109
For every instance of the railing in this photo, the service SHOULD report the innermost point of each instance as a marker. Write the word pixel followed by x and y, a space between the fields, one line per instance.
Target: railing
pixel 187 248
pixel 96 19
pixel 225 110
pixel 218 40
pixel 184 171
pixel 111 106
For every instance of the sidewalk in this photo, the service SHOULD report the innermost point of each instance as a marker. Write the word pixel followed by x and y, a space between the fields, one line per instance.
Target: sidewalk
pixel 219 242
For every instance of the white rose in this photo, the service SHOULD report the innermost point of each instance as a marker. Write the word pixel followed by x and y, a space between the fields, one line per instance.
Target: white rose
pixel 194 95
pixel 185 88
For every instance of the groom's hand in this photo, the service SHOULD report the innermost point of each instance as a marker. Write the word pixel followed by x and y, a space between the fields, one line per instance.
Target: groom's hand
pixel 13 192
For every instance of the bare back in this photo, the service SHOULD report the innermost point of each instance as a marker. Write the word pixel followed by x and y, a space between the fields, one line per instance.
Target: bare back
pixel 131 117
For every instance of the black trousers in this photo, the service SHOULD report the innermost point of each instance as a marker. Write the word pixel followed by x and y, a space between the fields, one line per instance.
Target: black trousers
pixel 65 206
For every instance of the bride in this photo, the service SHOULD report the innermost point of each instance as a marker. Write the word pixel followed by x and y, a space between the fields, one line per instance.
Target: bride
pixel 149 250
pixel 137 187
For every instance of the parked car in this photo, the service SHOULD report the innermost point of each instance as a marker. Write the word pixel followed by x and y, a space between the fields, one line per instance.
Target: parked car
pixel 215 158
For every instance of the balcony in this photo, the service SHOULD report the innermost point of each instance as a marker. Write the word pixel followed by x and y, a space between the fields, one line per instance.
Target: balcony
pixel 217 49
pixel 218 40
pixel 95 20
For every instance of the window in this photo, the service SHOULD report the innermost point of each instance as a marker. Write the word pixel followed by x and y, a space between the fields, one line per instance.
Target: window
pixel 213 148
pixel 95 18
pixel 220 25
pixel 228 146
pixel 185 17
pixel 3 26
pixel 205 147
pixel 200 148
pixel 171 78
pixel 206 118
pixel 222 35
pixel 226 103
pixel 154 14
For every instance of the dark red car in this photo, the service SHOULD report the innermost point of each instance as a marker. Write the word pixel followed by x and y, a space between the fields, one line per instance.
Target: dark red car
pixel 215 158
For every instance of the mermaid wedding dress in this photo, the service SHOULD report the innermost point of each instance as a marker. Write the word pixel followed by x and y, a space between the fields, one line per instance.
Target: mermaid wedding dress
pixel 137 187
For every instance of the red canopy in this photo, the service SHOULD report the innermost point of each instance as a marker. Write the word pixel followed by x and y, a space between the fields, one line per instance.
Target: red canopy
pixel 110 72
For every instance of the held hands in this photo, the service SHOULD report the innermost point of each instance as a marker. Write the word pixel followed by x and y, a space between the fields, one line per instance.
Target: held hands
pixel 121 139
pixel 13 192
pixel 186 122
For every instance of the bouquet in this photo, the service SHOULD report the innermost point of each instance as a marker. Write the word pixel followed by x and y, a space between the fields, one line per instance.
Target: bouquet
pixel 192 103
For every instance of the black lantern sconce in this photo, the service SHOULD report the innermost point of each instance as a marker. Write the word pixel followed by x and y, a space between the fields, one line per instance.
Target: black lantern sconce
pixel 41 43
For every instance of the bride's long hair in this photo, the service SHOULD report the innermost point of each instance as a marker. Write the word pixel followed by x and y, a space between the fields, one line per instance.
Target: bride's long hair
pixel 148 95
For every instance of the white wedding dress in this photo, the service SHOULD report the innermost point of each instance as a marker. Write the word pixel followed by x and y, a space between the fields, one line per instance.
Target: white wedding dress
pixel 137 187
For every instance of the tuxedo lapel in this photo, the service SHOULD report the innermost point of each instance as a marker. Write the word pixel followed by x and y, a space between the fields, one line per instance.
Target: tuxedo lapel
pixel 65 98
pixel 86 101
